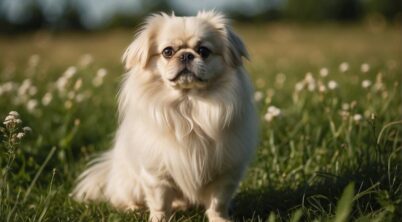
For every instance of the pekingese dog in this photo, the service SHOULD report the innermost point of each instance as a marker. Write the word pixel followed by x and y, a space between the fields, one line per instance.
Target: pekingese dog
pixel 188 125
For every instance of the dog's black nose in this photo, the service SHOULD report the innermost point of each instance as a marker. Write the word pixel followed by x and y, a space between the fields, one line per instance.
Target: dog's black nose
pixel 187 57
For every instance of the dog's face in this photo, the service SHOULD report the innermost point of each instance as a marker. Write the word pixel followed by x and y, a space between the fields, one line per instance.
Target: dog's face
pixel 186 52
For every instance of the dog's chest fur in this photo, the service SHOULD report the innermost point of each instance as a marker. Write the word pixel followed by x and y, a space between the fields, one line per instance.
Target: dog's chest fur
pixel 198 143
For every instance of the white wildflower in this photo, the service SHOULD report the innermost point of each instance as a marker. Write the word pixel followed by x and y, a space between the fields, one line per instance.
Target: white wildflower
pixel 12 118
pixel 86 60
pixel 332 85
pixel 70 72
pixel 27 129
pixel 345 106
pixel 20 135
pixel 365 67
pixel 258 95
pixel 102 72
pixel 31 105
pixel 47 98
pixel 309 78
pixel 299 86
pixel 268 117
pixel 32 90
pixel 324 72
pixel 322 88
pixel 344 66
pixel 78 84
pixel 357 117
pixel 272 112
pixel 366 83
pixel 24 87
pixel 98 80
pixel 9 86
pixel 14 113
pixel 379 84
pixel 61 83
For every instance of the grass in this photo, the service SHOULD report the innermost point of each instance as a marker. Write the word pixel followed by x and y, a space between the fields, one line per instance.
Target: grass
pixel 330 148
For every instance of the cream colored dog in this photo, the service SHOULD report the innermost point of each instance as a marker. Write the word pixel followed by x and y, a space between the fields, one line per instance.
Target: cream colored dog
pixel 188 126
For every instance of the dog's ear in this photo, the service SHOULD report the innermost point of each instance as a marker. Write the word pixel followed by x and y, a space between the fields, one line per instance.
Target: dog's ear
pixel 237 49
pixel 139 51
pixel 235 46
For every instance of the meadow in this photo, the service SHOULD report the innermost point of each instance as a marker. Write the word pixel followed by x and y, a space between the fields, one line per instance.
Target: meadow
pixel 329 97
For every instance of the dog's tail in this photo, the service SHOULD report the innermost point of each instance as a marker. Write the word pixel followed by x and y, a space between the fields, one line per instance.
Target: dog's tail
pixel 91 183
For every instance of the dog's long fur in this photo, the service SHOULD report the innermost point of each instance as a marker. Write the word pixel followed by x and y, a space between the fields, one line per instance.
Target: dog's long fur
pixel 173 147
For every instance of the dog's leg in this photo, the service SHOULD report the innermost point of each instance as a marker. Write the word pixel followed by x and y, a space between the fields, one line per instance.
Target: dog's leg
pixel 218 196
pixel 159 199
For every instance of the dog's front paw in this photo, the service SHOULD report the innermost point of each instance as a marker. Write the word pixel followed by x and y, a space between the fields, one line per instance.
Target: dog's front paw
pixel 157 217
pixel 214 216
pixel 218 219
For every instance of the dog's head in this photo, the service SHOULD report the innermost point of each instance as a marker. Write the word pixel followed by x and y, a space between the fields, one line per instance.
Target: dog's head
pixel 187 52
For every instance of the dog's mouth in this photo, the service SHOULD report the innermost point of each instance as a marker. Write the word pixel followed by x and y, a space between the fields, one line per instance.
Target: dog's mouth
pixel 185 75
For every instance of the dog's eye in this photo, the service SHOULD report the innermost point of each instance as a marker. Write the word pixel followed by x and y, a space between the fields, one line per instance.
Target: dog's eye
pixel 167 52
pixel 204 52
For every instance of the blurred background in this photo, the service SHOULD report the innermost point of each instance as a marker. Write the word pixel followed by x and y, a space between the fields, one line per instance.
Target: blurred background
pixel 56 15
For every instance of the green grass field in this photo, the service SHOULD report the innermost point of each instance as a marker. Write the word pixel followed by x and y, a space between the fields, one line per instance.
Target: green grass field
pixel 330 101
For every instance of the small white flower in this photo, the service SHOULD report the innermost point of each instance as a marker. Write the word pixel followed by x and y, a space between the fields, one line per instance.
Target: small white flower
pixel 14 113
pixel 311 86
pixel 102 72
pixel 31 105
pixel 86 60
pixel 47 98
pixel 344 66
pixel 332 85
pixel 61 83
pixel 324 72
pixel 97 81
pixel 70 72
pixel 365 67
pixel 345 106
pixel 357 117
pixel 24 87
pixel 275 111
pixel 9 118
pixel 322 88
pixel 366 83
pixel 9 86
pixel 299 86
pixel 268 117
pixel 258 95
pixel 27 129
pixel 309 78
pixel 78 84
pixel 20 135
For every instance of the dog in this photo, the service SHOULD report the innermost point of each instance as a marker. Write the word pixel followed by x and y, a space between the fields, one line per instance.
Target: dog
pixel 187 121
